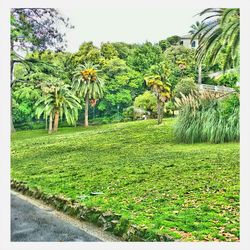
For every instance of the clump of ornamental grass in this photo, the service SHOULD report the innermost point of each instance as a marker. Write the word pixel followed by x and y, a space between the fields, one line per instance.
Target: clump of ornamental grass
pixel 207 117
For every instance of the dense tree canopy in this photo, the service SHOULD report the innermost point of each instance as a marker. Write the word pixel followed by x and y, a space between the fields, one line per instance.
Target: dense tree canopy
pixel 34 29
pixel 219 32
pixel 181 63
pixel 132 73
pixel 144 56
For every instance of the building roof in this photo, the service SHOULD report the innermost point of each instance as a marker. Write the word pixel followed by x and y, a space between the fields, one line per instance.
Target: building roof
pixel 186 37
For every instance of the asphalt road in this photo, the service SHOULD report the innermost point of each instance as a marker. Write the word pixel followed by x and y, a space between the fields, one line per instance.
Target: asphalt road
pixel 31 223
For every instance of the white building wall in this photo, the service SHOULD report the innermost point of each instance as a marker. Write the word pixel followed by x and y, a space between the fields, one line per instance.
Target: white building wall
pixel 187 43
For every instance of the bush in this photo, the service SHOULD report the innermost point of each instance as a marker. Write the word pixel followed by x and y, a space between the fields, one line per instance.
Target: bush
pixel 170 108
pixel 116 118
pixel 100 120
pixel 185 86
pixel 209 80
pixel 29 125
pixel 128 113
pixel 205 118
pixel 148 102
pixel 228 79
pixel 133 113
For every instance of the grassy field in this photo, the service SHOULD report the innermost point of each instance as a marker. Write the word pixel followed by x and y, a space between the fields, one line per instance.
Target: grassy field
pixel 190 192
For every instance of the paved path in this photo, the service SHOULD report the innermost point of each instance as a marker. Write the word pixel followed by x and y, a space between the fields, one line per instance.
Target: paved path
pixel 32 223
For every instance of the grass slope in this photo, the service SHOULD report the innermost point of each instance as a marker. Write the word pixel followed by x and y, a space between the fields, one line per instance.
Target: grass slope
pixel 190 192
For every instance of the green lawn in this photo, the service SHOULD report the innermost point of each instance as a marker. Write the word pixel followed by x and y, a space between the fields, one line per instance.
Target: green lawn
pixel 190 192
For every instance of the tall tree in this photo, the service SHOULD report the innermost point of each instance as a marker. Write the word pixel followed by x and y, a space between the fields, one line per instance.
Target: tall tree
pixel 173 40
pixel 123 49
pixel 180 62
pixel 108 51
pixel 34 29
pixel 220 32
pixel 88 85
pixel 122 85
pixel 57 100
pixel 144 56
pixel 87 53
pixel 194 29
pixel 160 86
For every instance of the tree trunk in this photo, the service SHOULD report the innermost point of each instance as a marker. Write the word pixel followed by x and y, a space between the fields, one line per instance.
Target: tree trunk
pixel 50 123
pixel 56 121
pixel 199 74
pixel 46 123
pixel 86 115
pixel 11 79
pixel 162 111
pixel 159 111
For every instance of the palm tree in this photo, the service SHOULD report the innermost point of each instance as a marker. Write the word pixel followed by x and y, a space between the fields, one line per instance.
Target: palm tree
pixel 57 100
pixel 194 29
pixel 220 33
pixel 161 90
pixel 88 85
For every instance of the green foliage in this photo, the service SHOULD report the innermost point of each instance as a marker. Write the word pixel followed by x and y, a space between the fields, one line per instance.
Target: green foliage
pixel 114 67
pixel 86 81
pixel 170 107
pixel 228 79
pixel 164 44
pixel 26 89
pixel 57 97
pixel 108 51
pixel 134 113
pixel 195 28
pixel 122 85
pixel 185 86
pixel 87 53
pixel 123 49
pixel 209 80
pixel 220 32
pixel 181 63
pixel 57 64
pixel 160 89
pixel 147 101
pixel 158 82
pixel 122 66
pixel 144 56
pixel 24 96
pixel 22 111
pixel 189 192
pixel 173 40
pixel 204 118
pixel 229 105
pixel 128 113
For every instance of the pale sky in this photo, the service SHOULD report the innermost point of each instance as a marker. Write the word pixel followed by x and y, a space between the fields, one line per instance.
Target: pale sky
pixel 127 25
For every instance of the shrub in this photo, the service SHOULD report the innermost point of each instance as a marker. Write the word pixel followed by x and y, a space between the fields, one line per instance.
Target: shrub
pixel 133 113
pixel 185 86
pixel 209 80
pixel 228 79
pixel 128 113
pixel 170 108
pixel 99 120
pixel 147 101
pixel 206 118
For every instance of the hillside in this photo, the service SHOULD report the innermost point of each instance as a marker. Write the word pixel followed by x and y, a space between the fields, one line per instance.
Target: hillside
pixel 136 171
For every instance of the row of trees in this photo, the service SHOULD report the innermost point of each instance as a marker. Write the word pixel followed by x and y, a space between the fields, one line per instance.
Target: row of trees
pixel 85 72
pixel 58 84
